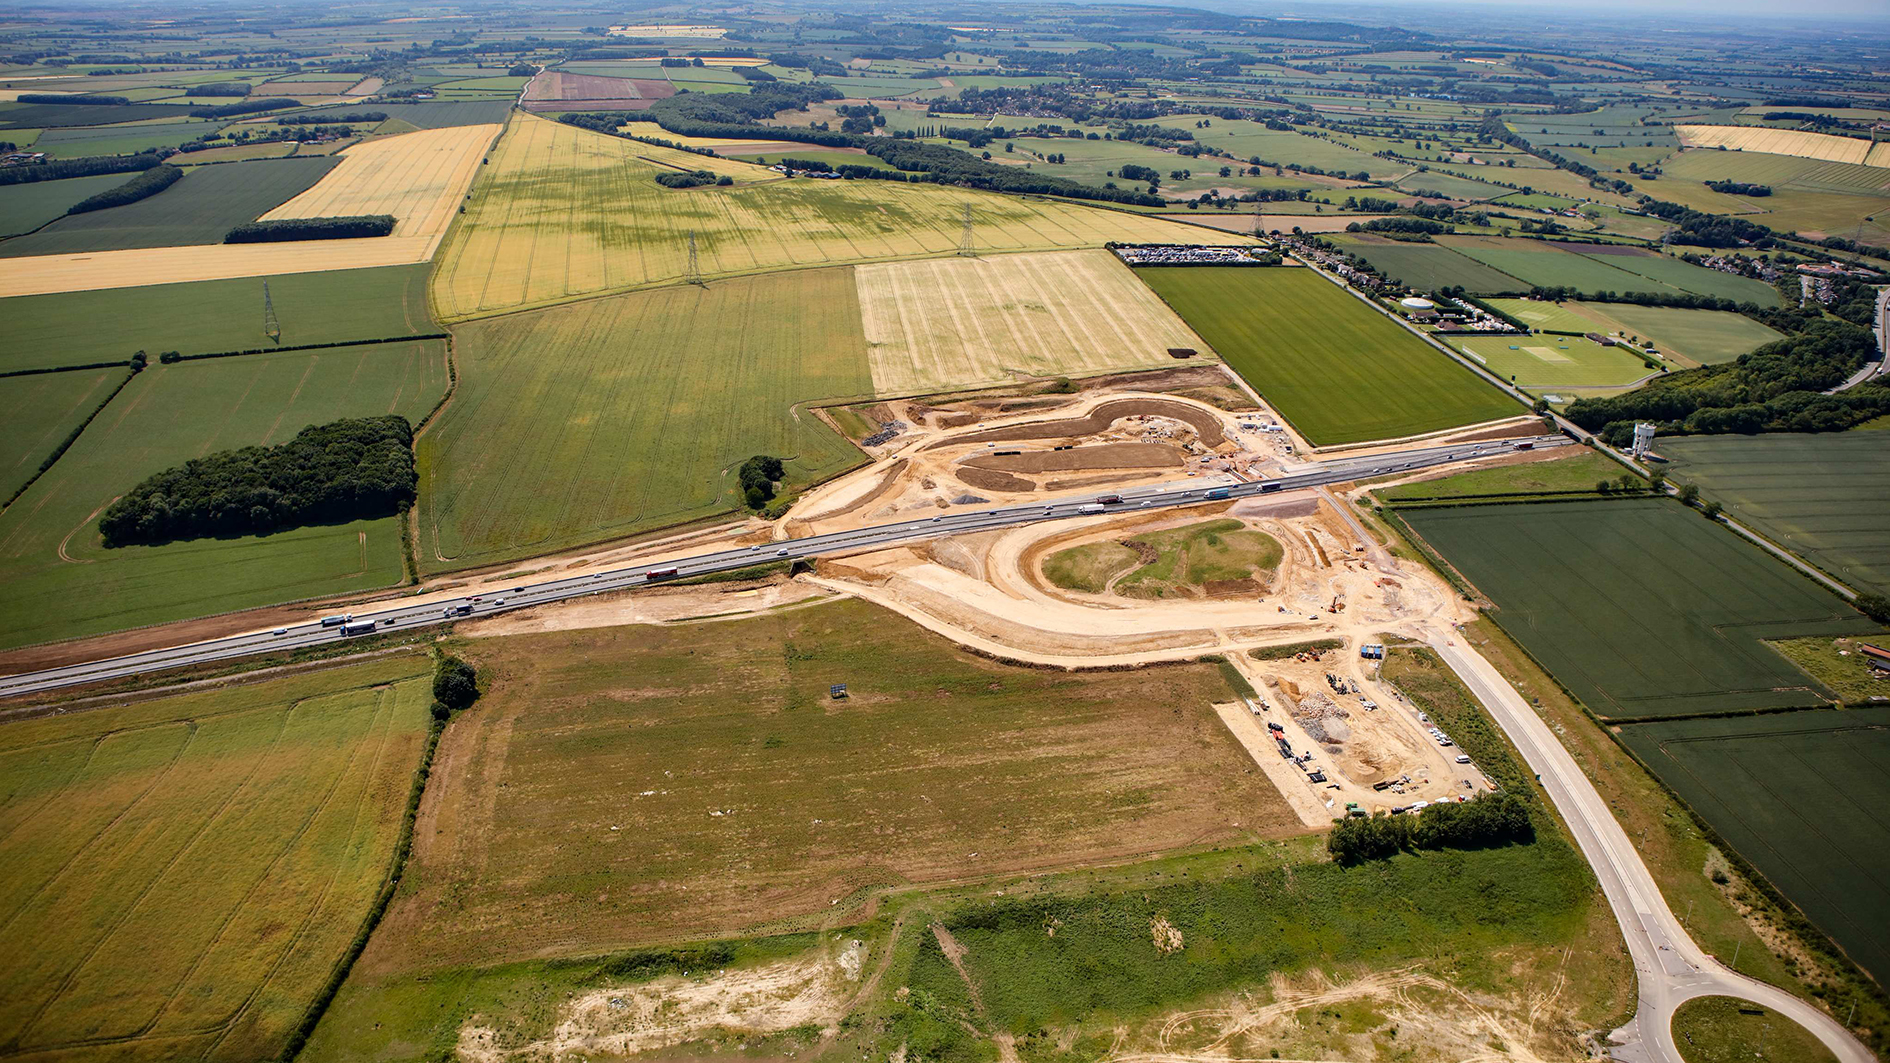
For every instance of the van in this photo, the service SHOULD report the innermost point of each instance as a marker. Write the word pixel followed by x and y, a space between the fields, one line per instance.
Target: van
pixel 1463 758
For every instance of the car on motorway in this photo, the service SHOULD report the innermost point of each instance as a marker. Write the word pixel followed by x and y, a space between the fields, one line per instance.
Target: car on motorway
pixel 280 631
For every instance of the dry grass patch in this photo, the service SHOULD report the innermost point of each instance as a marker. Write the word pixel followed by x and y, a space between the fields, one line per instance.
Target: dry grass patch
pixel 953 322
pixel 86 272
pixel 623 786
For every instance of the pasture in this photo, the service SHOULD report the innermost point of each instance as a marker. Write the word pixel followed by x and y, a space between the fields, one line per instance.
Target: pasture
pixel 1798 795
pixel 181 875
pixel 1575 473
pixel 1640 607
pixel 40 411
pixel 212 317
pixel 420 178
pixel 1426 267
pixel 1248 140
pixel 1337 369
pixel 1547 363
pixel 953 764
pixel 205 203
pixel 1605 268
pixel 1824 497
pixel 26 207
pixel 612 416
pixel 62 582
pixel 953 322
pixel 563 212
pixel 1687 337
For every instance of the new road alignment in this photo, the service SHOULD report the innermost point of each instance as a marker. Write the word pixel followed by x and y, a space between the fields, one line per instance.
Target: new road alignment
pixel 400 618
pixel 1669 967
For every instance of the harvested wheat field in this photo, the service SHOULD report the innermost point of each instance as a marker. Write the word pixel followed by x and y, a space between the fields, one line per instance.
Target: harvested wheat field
pixel 953 322
pixel 1785 142
pixel 563 212
pixel 417 177
pixel 85 272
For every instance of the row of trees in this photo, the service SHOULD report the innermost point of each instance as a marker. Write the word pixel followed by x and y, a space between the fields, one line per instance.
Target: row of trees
pixel 342 228
pixel 949 166
pixel 346 470
pixel 231 110
pixel 221 88
pixel 1490 820
pixel 145 185
pixel 93 166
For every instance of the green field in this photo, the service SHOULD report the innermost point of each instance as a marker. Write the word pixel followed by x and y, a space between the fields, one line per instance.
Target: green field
pixel 1640 607
pixel 1246 140
pixel 1340 371
pixel 179 876
pixel 1596 268
pixel 1824 497
pixel 62 582
pixel 26 207
pixel 1698 337
pixel 1427 267
pixel 40 411
pixel 1808 195
pixel 1798 795
pixel 1729 1030
pixel 1541 363
pixel 204 204
pixel 613 416
pixel 1577 472
pixel 81 141
pixel 212 317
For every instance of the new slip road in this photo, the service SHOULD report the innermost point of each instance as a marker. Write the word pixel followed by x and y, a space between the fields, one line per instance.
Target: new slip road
pixel 1668 966
pixel 400 618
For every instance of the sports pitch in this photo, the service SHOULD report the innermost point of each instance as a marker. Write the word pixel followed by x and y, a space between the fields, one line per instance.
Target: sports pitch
pixel 1697 337
pixel 1824 497
pixel 1641 607
pixel 1562 364
pixel 612 416
pixel 61 580
pixel 179 876
pixel 1340 371
pixel 1799 795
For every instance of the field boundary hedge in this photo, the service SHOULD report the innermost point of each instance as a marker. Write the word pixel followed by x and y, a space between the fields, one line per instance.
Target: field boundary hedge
pixel 72 436
pixel 287 229
pixel 235 354
pixel 396 868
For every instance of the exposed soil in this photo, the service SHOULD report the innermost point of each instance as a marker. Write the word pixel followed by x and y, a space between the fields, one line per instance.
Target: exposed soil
pixel 988 480
pixel 1080 459
pixel 1208 426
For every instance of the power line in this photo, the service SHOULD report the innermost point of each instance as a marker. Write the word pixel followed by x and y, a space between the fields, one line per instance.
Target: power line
pixel 693 274
pixel 965 246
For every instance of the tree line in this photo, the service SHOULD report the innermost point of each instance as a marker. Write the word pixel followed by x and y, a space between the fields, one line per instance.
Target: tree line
pixel 342 228
pixel 1489 820
pixel 147 184
pixel 60 169
pixel 75 99
pixel 231 110
pixel 1776 388
pixel 351 469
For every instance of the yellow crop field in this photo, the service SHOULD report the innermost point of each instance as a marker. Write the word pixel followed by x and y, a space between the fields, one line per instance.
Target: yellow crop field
pixel 85 272
pixel 179 876
pixel 563 212
pixel 1785 142
pixel 418 177
pixel 952 322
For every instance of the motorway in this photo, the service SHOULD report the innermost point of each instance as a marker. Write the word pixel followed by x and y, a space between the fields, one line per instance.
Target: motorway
pixel 1669 967
pixel 402 617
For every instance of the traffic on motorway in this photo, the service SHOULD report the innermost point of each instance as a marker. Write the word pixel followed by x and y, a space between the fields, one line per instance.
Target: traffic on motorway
pixel 340 626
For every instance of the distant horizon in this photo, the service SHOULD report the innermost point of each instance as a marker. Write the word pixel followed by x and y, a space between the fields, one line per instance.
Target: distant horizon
pixel 1873 13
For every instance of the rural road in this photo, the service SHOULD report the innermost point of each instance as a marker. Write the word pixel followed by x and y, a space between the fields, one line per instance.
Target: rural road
pixel 1883 347
pixel 1180 493
pixel 1669 967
